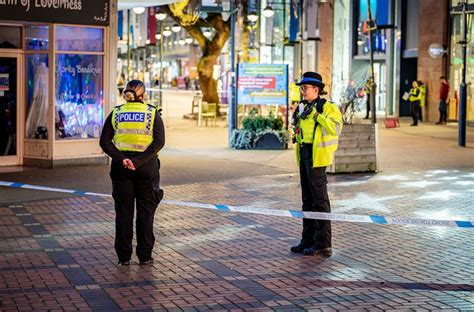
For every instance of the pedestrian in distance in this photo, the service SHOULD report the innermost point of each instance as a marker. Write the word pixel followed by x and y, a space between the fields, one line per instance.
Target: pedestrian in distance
pixel 422 88
pixel 414 99
pixel 132 136
pixel 317 125
pixel 443 100
pixel 367 87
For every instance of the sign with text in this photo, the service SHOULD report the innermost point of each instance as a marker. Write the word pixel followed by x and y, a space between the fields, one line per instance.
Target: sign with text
pixel 83 12
pixel 262 84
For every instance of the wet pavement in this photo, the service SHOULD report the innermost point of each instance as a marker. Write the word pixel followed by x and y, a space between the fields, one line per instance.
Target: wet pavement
pixel 56 250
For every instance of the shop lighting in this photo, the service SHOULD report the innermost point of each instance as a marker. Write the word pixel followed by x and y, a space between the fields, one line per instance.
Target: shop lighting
pixel 139 10
pixel 188 40
pixel 158 36
pixel 161 16
pixel 175 42
pixel 181 42
pixel 176 28
pixel 147 41
pixel 252 16
pixel 268 11
pixel 207 33
pixel 167 32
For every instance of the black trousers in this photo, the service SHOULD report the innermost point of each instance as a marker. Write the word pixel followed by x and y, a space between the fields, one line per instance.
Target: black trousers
pixel 367 104
pixel 316 233
pixel 143 187
pixel 415 109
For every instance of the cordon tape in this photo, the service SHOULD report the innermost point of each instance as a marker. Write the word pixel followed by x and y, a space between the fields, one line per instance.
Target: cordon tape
pixel 275 212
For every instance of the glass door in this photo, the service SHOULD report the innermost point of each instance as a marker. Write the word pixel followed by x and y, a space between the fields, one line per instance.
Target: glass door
pixel 9 110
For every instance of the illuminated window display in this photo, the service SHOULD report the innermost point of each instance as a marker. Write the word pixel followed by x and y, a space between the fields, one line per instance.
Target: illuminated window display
pixel 36 96
pixel 79 83
pixel 79 96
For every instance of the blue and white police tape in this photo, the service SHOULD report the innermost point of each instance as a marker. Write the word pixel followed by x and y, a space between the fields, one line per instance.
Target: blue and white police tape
pixel 276 212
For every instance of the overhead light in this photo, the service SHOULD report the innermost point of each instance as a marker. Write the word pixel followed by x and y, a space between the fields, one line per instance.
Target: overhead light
pixel 158 36
pixel 268 11
pixel 161 16
pixel 167 32
pixel 207 33
pixel 175 42
pixel 176 28
pixel 252 16
pixel 147 41
pixel 181 42
pixel 188 40
pixel 139 10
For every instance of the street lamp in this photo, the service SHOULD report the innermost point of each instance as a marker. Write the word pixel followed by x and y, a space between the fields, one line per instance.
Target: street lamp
pixel 207 33
pixel 161 16
pixel 139 10
pixel 463 86
pixel 176 28
pixel 268 11
pixel 167 32
pixel 252 16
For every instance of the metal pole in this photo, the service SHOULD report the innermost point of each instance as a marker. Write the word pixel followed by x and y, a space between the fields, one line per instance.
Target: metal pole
pixel 128 44
pixel 463 87
pixel 161 65
pixel 373 86
pixel 232 105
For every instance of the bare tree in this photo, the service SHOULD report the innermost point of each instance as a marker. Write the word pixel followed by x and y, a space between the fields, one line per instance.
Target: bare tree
pixel 211 47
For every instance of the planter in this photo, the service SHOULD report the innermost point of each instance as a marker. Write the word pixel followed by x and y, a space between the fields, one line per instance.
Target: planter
pixel 357 149
pixel 269 141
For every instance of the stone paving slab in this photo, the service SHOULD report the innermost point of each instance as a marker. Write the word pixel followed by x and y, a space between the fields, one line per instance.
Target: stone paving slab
pixel 58 253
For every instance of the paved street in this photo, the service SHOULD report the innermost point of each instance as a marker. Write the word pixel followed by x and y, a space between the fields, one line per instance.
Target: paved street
pixel 57 251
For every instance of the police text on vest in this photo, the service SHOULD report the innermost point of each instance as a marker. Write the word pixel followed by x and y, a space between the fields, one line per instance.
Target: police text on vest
pixel 131 117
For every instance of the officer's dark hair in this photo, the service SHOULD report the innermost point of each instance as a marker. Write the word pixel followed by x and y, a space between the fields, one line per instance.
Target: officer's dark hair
pixel 134 91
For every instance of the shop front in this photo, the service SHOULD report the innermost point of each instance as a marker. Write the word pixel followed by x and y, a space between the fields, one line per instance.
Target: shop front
pixel 53 81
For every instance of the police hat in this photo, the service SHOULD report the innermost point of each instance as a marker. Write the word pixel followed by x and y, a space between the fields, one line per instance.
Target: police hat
pixel 312 78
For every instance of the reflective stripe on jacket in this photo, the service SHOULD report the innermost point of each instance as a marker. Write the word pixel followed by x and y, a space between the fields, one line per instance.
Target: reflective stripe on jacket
pixel 133 125
pixel 325 138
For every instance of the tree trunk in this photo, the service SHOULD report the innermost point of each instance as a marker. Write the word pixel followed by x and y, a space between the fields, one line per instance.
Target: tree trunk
pixel 206 81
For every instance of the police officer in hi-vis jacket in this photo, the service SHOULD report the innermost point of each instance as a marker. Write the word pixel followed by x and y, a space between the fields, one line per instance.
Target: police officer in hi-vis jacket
pixel 132 136
pixel 317 125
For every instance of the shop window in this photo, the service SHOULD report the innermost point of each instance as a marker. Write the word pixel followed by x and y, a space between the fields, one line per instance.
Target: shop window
pixel 37 85
pixel 10 37
pixel 79 96
pixel 81 39
pixel 37 38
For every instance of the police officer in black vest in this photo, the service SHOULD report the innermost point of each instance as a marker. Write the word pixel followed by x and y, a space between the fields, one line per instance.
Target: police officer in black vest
pixel 133 134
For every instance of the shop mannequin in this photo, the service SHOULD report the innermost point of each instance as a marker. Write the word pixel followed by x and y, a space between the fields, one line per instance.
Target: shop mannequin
pixel 38 113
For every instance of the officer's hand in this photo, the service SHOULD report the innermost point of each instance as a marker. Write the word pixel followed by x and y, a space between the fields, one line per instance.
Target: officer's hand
pixel 127 163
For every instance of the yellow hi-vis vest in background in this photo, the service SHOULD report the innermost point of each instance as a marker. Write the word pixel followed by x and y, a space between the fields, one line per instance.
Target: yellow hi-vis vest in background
pixel 422 95
pixel 133 125
pixel 325 138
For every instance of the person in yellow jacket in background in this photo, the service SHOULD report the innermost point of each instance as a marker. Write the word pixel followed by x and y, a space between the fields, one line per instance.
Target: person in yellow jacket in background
pixel 422 88
pixel 317 125
pixel 414 98
pixel 132 136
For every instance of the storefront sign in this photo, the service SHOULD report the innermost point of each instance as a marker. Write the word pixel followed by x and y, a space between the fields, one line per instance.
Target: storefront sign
pixel 262 84
pixel 436 50
pixel 83 12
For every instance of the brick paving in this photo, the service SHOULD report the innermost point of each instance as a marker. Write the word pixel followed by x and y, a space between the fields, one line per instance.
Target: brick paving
pixel 57 254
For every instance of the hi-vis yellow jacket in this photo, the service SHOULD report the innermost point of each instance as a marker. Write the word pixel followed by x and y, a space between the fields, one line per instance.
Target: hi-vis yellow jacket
pixel 422 95
pixel 415 95
pixel 324 137
pixel 133 125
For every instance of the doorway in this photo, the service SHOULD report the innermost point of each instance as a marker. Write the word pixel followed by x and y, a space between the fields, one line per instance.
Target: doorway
pixel 10 135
